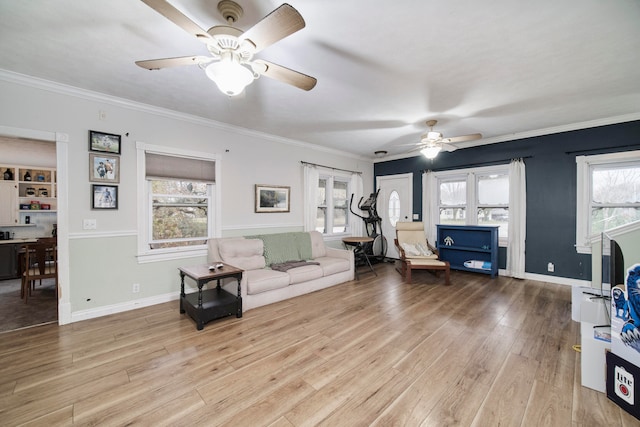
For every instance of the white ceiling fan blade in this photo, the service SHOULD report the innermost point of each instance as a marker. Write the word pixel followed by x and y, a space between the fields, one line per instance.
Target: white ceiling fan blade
pixel 283 74
pixel 418 148
pixel 448 147
pixel 280 23
pixel 156 64
pixel 463 138
pixel 174 15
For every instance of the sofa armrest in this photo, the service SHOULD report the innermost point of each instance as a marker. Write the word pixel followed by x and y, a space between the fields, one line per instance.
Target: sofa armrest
pixel 339 253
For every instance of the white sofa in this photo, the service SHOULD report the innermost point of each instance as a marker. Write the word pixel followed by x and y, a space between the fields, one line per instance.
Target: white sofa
pixel 259 256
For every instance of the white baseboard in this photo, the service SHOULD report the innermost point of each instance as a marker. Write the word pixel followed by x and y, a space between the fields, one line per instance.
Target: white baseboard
pixel 557 280
pixel 125 306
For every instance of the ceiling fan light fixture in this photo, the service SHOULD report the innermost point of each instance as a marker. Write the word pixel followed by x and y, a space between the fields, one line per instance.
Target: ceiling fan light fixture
pixel 229 75
pixel 431 136
pixel 430 152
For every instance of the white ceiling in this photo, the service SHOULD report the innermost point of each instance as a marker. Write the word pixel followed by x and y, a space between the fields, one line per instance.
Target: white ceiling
pixel 504 68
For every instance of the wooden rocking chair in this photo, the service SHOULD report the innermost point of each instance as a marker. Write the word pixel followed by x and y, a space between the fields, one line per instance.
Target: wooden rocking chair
pixel 416 253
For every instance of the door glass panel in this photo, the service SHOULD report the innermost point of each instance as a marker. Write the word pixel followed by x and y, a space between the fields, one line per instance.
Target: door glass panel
pixel 394 208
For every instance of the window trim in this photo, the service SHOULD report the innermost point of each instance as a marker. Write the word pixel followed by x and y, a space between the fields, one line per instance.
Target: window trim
pixel 144 254
pixel 330 177
pixel 583 196
pixel 471 177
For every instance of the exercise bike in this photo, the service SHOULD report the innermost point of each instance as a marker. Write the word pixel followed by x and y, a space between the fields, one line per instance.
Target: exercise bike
pixel 376 251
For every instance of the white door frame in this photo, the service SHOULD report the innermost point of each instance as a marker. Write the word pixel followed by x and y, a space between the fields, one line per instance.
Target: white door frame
pixel 62 191
pixel 391 250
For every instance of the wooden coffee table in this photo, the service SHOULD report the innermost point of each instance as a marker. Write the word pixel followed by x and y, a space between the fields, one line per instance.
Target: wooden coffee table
pixel 206 305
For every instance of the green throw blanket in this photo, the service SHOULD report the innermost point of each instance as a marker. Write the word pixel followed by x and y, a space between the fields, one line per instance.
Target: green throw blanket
pixel 283 247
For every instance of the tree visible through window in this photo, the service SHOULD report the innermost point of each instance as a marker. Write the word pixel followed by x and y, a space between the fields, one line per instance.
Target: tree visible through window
pixel 180 211
pixel 453 201
pixel 615 196
pixel 177 209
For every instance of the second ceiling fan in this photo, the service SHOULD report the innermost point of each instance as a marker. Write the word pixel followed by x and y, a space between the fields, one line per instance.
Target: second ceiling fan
pixel 431 143
pixel 231 65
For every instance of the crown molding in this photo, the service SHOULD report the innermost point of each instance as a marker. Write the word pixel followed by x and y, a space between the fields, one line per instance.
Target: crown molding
pixel 555 129
pixel 63 89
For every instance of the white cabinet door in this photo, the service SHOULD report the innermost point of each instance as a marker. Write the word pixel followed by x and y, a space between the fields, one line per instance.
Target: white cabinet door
pixel 8 203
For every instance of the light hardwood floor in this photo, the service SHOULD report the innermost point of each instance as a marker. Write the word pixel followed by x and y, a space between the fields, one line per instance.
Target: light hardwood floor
pixel 482 352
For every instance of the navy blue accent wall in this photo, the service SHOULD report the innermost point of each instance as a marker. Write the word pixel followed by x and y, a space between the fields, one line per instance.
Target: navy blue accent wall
pixel 551 187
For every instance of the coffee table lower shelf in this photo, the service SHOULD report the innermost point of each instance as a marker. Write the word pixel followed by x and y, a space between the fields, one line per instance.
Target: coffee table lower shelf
pixel 216 303
pixel 205 305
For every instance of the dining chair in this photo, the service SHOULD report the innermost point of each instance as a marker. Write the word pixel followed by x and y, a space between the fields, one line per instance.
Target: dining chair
pixel 40 262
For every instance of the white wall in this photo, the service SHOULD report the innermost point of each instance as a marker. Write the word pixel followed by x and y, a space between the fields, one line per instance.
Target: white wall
pixel 102 262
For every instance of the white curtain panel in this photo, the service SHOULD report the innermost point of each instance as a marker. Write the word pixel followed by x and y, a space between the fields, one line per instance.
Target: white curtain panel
pixel 357 187
pixel 311 177
pixel 517 219
pixel 430 216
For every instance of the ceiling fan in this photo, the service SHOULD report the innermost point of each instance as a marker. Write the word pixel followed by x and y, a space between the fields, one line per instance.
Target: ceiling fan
pixel 432 142
pixel 230 65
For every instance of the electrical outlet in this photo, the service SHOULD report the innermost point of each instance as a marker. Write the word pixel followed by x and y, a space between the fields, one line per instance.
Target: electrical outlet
pixel 136 288
pixel 550 267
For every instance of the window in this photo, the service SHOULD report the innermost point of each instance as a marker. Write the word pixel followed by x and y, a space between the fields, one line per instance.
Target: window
pixel 608 195
pixel 333 205
pixel 452 196
pixel 493 201
pixel 474 197
pixel 179 213
pixel 178 207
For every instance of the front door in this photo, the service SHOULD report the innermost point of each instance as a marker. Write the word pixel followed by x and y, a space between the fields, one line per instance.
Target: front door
pixel 395 202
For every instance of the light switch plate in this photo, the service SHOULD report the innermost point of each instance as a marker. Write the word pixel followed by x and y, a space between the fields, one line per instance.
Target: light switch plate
pixel 89 224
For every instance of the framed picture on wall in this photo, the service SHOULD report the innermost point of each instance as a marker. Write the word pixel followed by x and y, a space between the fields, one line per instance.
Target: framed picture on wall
pixel 104 142
pixel 272 198
pixel 104 168
pixel 104 196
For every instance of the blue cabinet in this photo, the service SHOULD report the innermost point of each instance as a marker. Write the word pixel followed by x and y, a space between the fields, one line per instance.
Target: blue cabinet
pixel 469 247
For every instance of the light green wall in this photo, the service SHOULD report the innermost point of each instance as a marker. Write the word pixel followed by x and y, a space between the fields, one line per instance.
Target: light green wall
pixel 104 270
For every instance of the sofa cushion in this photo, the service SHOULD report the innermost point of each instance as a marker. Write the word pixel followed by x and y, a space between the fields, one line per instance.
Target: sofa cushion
pixel 242 253
pixel 317 245
pixel 265 280
pixel 331 265
pixel 304 274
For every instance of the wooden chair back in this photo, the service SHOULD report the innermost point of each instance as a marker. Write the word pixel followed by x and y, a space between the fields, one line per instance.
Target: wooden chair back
pixel 41 262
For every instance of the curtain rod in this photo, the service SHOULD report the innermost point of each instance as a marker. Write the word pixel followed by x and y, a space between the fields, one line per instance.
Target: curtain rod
pixel 472 165
pixel 329 167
